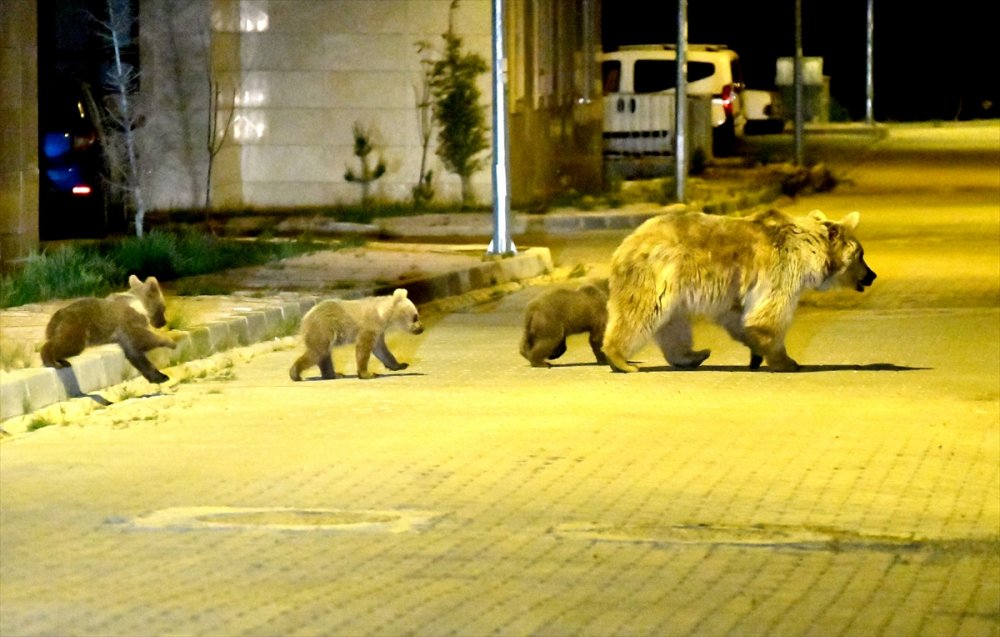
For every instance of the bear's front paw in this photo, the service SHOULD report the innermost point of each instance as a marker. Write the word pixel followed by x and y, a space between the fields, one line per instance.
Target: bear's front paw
pixel 399 367
pixel 622 366
pixel 365 374
pixel 783 365
pixel 157 377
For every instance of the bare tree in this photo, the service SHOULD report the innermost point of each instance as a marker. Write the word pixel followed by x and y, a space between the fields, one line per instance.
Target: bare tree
pixel 219 127
pixel 121 80
pixel 217 134
pixel 423 191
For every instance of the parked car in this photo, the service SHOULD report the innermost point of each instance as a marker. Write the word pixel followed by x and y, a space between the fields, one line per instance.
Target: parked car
pixel 763 113
pixel 649 73
pixel 71 194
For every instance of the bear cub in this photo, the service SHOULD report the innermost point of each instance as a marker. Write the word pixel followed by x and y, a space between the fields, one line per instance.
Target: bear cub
pixel 556 314
pixel 122 318
pixel 360 321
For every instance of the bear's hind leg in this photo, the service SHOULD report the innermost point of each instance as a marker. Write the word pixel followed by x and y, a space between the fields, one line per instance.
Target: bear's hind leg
pixel 733 323
pixel 545 348
pixel 596 337
pixel 66 340
pixel 674 339
pixel 302 363
pixel 558 350
pixel 325 364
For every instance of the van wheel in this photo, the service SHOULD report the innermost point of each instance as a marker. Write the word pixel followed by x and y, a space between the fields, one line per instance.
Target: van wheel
pixel 724 138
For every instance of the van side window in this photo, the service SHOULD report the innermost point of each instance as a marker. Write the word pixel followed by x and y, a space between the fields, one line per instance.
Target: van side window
pixel 611 74
pixel 652 76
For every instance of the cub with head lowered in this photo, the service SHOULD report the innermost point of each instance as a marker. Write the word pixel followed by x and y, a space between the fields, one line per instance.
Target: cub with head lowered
pixel 122 318
pixel 558 313
pixel 360 321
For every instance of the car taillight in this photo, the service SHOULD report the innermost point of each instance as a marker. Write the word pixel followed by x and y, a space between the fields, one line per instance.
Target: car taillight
pixel 82 190
pixel 727 99
pixel 81 142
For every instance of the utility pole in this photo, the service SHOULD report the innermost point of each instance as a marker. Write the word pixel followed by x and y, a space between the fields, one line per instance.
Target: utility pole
pixel 501 244
pixel 870 67
pixel 680 107
pixel 799 105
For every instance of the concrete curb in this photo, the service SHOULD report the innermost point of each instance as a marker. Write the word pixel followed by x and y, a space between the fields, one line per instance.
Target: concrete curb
pixel 27 390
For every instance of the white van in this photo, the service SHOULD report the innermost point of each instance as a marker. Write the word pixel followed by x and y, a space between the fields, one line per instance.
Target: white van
pixel 639 87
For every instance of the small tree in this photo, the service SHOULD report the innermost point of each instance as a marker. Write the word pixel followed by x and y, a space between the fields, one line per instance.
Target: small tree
pixel 457 111
pixel 363 147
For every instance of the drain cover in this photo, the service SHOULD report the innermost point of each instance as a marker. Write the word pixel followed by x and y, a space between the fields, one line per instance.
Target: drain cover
pixel 764 535
pixel 283 519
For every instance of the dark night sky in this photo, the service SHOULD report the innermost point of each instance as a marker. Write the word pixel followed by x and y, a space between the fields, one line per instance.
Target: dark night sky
pixel 932 62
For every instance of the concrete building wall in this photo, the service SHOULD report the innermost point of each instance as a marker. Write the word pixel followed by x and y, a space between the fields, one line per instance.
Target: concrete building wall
pixel 299 74
pixel 174 46
pixel 18 131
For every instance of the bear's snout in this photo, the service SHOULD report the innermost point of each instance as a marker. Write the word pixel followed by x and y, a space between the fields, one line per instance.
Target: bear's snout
pixel 867 279
pixel 417 328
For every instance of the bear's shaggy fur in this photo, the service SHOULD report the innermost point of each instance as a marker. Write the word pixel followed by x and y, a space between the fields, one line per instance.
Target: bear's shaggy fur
pixel 362 322
pixel 122 318
pixel 556 314
pixel 745 273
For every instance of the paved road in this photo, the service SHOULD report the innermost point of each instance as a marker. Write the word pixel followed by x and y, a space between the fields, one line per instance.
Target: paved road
pixel 473 495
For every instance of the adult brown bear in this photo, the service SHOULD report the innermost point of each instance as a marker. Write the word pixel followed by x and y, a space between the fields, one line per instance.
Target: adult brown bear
pixel 746 273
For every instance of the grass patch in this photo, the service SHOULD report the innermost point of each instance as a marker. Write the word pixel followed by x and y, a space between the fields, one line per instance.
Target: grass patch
pixel 61 274
pixel 100 268
pixel 40 422
pixel 15 355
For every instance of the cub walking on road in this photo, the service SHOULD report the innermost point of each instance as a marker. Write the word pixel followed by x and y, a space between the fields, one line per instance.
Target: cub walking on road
pixel 122 318
pixel 362 322
pixel 745 273
pixel 556 314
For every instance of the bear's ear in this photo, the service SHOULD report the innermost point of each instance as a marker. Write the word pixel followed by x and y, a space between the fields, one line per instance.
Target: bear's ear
pixel 399 293
pixel 818 215
pixel 134 282
pixel 851 220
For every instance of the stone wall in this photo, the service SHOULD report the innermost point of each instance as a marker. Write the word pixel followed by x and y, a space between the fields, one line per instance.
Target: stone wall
pixel 18 132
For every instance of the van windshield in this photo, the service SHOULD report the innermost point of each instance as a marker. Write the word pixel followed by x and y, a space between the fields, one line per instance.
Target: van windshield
pixel 652 76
